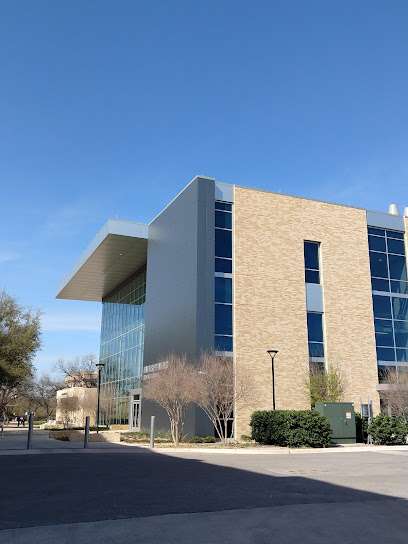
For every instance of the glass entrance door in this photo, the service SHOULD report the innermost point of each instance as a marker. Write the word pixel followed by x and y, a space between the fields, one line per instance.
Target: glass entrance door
pixel 136 413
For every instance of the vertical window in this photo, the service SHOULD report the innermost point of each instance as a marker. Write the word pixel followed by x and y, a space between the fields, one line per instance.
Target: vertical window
pixel 312 274
pixel 315 334
pixel 223 339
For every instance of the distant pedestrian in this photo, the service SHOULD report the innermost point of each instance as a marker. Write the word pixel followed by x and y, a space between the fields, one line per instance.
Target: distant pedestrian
pixel 18 421
pixel 2 418
pixel 24 419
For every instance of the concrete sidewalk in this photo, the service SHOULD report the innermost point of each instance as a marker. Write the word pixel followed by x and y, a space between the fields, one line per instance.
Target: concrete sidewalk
pixel 371 522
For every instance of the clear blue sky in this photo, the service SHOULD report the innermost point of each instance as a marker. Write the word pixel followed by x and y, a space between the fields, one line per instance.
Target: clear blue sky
pixel 111 107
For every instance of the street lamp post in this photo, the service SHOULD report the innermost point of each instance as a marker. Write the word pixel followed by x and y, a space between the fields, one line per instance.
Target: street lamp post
pixel 272 353
pixel 99 366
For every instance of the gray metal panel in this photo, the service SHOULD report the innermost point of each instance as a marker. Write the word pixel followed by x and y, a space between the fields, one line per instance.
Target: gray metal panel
pixel 314 297
pixel 179 290
pixel 180 284
pixel 385 221
pixel 224 191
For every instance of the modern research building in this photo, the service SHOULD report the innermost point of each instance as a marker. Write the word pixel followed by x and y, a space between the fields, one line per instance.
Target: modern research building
pixel 242 271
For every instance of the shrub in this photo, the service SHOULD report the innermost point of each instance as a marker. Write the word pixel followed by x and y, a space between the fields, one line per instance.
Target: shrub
pixel 291 428
pixel 202 440
pixel 388 430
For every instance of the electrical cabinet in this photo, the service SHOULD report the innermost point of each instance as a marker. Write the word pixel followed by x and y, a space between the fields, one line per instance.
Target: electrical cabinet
pixel 342 420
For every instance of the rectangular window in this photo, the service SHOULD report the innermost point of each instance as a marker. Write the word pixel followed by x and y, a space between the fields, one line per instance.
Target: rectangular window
pixel 223 243
pixel 223 206
pixel 311 254
pixel 398 267
pixel 223 319
pixel 377 232
pixel 380 285
pixel 378 265
pixel 396 246
pixel 400 308
pixel 375 243
pixel 385 354
pixel 223 220
pixel 223 290
pixel 401 334
pixel 382 307
pixel 223 265
pixel 315 334
pixel 384 333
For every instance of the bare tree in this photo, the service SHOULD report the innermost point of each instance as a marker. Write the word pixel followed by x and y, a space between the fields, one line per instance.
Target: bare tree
pixel 324 383
pixel 67 407
pixel 395 392
pixel 79 372
pixel 45 391
pixel 217 389
pixel 170 384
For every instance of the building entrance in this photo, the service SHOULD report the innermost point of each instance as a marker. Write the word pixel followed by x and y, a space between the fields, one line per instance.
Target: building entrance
pixel 135 413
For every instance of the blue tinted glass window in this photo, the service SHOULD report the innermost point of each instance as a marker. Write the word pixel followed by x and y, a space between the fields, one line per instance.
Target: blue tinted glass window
pixel 223 220
pixel 312 276
pixel 223 265
pixel 312 255
pixel 395 234
pixel 376 243
pixel 401 334
pixel 223 290
pixel 398 267
pixel 377 232
pixel 380 285
pixel 385 354
pixel 316 349
pixel 315 327
pixel 223 243
pixel 378 265
pixel 400 308
pixel 223 343
pixel 396 246
pixel 382 307
pixel 399 287
pixel 402 355
pixel 223 319
pixel 223 206
pixel 383 332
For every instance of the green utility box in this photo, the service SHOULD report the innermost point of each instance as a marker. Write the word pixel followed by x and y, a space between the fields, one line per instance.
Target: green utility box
pixel 342 420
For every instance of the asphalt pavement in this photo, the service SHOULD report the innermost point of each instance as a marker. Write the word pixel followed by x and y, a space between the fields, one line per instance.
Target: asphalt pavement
pixel 124 494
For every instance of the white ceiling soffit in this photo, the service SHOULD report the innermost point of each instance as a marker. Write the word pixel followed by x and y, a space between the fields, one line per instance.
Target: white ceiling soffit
pixel 117 251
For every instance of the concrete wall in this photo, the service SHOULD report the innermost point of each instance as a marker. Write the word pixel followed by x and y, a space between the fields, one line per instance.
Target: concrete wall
pixel 180 287
pixel 270 299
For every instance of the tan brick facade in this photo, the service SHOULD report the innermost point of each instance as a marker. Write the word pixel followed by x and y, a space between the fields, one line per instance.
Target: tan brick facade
pixel 270 299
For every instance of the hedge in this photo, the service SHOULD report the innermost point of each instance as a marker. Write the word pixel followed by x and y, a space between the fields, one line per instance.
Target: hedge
pixel 291 428
pixel 390 431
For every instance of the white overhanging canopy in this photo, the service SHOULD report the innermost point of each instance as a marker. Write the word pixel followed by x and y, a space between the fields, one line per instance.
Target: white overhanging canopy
pixel 116 252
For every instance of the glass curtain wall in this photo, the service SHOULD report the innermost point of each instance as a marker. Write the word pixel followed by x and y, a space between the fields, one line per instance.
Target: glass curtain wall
pixel 390 297
pixel 122 342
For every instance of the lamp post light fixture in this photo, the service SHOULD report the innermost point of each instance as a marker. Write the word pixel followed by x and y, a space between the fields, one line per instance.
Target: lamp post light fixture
pixel 272 353
pixel 99 366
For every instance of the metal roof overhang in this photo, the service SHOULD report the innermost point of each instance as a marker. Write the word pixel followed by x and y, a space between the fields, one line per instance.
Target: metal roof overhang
pixel 116 252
